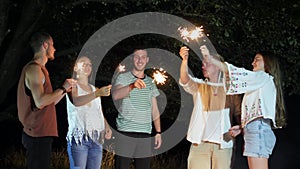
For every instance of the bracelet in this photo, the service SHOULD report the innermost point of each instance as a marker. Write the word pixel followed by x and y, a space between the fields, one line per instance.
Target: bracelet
pixel 96 94
pixel 131 86
pixel 63 89
pixel 158 132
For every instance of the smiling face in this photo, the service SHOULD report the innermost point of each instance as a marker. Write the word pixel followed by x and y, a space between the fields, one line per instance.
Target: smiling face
pixel 258 63
pixel 210 71
pixel 140 60
pixel 83 66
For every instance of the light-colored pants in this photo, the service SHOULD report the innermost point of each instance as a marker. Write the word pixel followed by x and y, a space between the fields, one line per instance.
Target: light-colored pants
pixel 209 156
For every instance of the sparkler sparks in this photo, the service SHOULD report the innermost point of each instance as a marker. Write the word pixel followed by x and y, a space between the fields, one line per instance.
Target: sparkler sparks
pixel 159 76
pixel 193 34
pixel 80 66
pixel 80 69
pixel 121 68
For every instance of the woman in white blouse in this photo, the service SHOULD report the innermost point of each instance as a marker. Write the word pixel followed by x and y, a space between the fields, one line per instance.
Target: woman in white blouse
pixel 87 125
pixel 262 105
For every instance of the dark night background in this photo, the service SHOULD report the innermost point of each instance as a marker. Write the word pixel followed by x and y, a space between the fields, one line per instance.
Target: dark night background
pixel 236 28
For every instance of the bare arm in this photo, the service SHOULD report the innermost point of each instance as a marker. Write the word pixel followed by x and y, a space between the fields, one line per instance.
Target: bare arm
pixel 156 121
pixel 237 99
pixel 210 59
pixel 34 78
pixel 84 99
pixel 184 53
pixel 121 92
pixel 108 132
pixel 235 112
pixel 58 100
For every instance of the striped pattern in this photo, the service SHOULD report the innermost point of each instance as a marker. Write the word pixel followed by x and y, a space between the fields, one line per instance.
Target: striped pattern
pixel 135 112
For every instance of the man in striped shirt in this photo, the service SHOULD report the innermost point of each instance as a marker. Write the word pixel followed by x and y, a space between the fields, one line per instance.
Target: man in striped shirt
pixel 138 109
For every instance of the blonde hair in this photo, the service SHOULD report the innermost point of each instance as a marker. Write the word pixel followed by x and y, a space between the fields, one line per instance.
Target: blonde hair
pixel 272 67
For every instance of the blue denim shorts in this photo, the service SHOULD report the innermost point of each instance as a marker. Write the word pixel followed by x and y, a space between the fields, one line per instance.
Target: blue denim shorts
pixel 259 138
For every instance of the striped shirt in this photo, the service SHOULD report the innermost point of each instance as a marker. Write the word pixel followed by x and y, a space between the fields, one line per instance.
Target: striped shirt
pixel 135 113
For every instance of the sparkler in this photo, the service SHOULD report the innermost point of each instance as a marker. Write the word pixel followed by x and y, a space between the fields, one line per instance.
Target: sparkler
pixel 79 68
pixel 198 32
pixel 120 69
pixel 159 76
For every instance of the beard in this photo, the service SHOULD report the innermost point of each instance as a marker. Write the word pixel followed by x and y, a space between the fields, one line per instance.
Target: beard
pixel 50 55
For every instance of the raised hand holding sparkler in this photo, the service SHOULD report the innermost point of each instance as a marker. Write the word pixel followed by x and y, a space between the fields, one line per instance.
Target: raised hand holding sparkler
pixel 184 52
pixel 205 52
pixel 212 59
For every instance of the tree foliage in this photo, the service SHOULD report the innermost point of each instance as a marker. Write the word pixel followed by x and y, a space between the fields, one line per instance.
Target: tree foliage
pixel 236 28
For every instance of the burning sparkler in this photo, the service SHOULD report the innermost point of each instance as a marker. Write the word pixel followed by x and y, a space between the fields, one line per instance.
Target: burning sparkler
pixel 80 66
pixel 159 76
pixel 198 32
pixel 120 69
pixel 193 34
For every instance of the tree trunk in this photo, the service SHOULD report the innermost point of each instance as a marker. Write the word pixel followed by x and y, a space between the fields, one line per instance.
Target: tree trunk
pixel 4 7
pixel 14 56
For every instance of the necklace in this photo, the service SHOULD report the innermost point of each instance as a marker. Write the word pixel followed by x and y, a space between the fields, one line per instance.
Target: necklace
pixel 215 88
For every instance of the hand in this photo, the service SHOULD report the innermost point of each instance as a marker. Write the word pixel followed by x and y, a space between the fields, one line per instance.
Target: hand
pixel 108 133
pixel 227 136
pixel 235 130
pixel 157 141
pixel 204 51
pixel 184 53
pixel 69 83
pixel 103 91
pixel 139 83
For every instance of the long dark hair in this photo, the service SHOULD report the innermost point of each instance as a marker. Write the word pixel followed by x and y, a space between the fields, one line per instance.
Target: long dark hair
pixel 272 67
